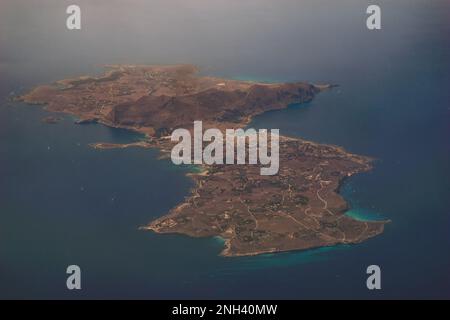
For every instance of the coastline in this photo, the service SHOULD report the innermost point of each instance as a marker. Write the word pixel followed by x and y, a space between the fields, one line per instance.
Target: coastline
pixel 163 144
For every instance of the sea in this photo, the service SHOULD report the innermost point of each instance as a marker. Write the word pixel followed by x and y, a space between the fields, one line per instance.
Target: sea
pixel 64 203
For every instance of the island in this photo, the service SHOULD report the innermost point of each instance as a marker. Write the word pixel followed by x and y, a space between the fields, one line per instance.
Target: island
pixel 298 208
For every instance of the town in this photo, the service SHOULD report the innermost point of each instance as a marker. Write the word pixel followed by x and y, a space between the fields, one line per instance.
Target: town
pixel 213 152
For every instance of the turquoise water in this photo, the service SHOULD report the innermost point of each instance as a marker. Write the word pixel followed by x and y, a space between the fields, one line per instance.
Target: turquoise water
pixel 62 202
pixel 362 214
pixel 359 211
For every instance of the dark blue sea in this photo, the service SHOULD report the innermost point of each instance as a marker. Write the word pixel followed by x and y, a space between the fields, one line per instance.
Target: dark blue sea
pixel 63 203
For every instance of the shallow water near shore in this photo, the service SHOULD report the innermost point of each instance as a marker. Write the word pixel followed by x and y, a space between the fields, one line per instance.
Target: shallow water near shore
pixel 63 202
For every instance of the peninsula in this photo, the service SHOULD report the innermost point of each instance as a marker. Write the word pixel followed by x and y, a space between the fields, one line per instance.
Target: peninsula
pixel 298 208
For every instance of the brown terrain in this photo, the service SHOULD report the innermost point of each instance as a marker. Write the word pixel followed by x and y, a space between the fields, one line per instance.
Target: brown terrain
pixel 299 208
